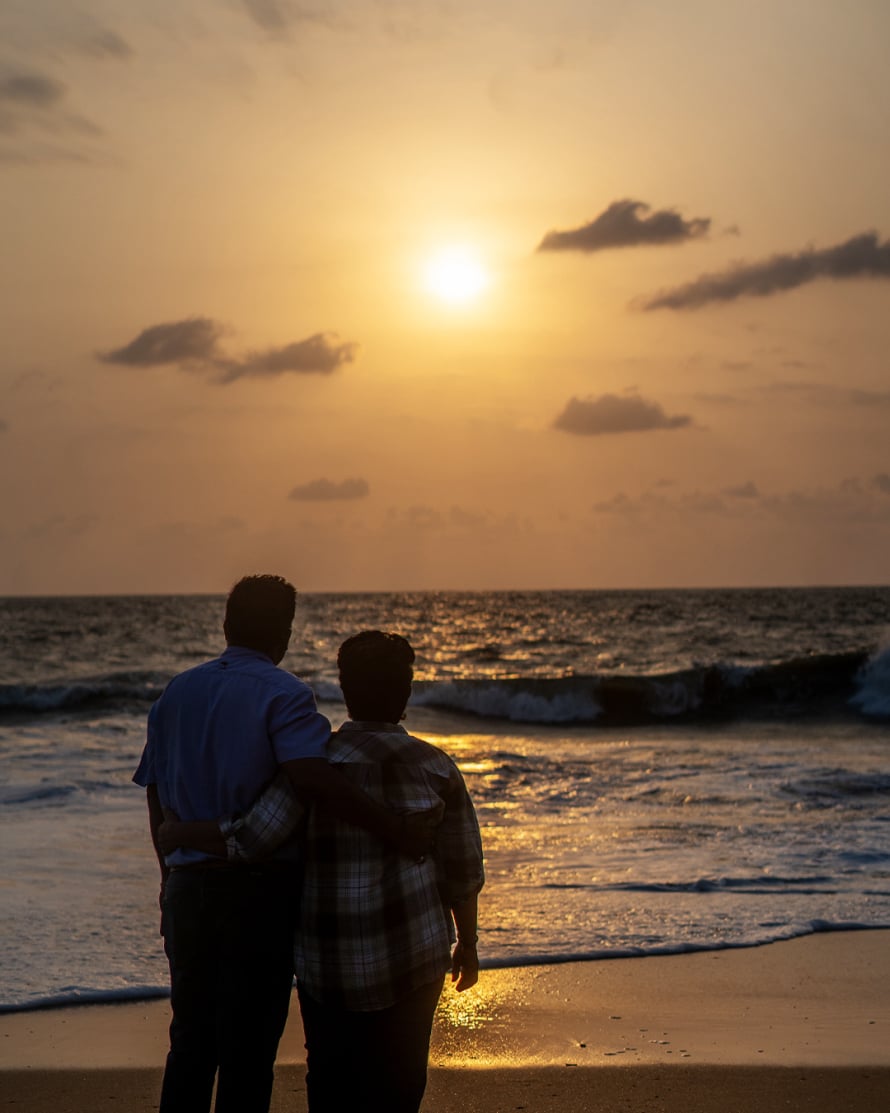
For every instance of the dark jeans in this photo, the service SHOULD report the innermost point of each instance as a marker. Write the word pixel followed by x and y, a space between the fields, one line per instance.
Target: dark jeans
pixel 372 1061
pixel 228 934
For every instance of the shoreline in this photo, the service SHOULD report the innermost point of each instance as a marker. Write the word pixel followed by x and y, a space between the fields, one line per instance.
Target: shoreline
pixel 124 997
pixel 803 1023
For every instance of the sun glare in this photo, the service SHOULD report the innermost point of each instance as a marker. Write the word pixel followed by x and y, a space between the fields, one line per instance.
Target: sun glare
pixel 455 275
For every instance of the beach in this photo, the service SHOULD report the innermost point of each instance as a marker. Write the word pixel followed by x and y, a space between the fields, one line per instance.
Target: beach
pixel 800 1024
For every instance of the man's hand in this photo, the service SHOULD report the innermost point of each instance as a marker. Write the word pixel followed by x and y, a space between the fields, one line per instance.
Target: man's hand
pixel 169 837
pixel 464 965
pixel 202 834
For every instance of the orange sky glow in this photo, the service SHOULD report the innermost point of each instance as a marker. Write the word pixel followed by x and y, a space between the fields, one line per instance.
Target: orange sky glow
pixel 389 295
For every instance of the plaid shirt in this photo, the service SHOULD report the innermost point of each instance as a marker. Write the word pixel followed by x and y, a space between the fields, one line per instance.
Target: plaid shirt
pixel 374 924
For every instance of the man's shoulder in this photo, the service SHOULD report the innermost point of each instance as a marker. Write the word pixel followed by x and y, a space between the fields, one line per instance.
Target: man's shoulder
pixel 381 745
pixel 197 674
pixel 420 746
pixel 255 668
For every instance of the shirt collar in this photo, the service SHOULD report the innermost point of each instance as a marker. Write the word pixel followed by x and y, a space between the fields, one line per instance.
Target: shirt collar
pixel 243 652
pixel 369 727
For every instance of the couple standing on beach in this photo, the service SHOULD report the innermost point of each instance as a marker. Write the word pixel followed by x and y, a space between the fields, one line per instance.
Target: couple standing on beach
pixel 346 858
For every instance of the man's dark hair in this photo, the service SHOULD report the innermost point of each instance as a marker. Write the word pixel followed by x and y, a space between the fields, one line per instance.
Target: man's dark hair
pixel 375 675
pixel 259 612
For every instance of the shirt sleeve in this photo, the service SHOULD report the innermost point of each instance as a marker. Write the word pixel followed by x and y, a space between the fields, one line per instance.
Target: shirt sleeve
pixel 269 821
pixel 458 849
pixel 145 774
pixel 297 728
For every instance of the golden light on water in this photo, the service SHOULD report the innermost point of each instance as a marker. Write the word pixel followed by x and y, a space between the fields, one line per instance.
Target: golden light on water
pixel 482 767
pixel 471 1027
pixel 469 1010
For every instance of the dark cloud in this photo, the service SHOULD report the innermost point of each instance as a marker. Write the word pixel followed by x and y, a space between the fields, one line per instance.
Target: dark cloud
pixel 849 502
pixel 860 257
pixel 870 398
pixel 4 426
pixel 30 89
pixel 193 344
pixel 745 491
pixel 881 482
pixel 37 127
pixel 611 413
pixel 318 354
pixel 622 225
pixel 108 44
pixel 59 527
pixel 413 518
pixel 325 490
pixel 40 154
pixel 276 17
pixel 268 14
pixel 193 340
pixel 827 394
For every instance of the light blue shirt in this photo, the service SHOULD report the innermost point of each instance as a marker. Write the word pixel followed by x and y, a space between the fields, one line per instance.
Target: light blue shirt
pixel 219 732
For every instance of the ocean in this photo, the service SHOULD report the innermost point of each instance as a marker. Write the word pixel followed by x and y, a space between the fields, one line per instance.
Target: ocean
pixel 654 771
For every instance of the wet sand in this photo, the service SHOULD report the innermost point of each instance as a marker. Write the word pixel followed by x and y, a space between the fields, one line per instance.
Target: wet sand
pixel 803 1024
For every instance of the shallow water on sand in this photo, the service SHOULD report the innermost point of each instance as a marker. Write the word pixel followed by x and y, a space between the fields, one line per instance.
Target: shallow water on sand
pixel 662 840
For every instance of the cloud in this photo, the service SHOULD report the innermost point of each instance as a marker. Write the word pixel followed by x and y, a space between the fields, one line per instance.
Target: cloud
pixel 108 44
pixel 326 490
pixel 592 417
pixel 4 425
pixel 849 502
pixel 33 107
pixel 33 90
pixel 862 256
pixel 870 398
pixel 828 394
pixel 60 527
pixel 621 225
pixel 193 340
pixel 318 354
pixel 268 14
pixel 276 17
pixel 744 491
pixel 415 518
pixel 193 345
pixel 881 482
pixel 473 527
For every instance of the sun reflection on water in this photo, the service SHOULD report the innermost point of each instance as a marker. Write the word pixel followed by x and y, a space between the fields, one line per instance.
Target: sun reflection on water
pixel 469 1010
pixel 473 1026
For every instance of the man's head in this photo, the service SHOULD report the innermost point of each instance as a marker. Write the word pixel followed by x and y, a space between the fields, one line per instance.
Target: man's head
pixel 259 613
pixel 375 675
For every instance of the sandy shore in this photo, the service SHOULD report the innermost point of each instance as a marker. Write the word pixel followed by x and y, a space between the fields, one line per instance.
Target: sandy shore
pixel 800 1025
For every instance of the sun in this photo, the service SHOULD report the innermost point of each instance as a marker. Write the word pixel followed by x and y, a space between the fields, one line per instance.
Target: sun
pixel 456 275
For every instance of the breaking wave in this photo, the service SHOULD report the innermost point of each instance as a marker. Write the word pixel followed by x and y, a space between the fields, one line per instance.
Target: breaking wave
pixel 833 685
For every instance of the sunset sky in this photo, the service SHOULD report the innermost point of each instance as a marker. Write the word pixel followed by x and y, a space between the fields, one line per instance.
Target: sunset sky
pixel 655 353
